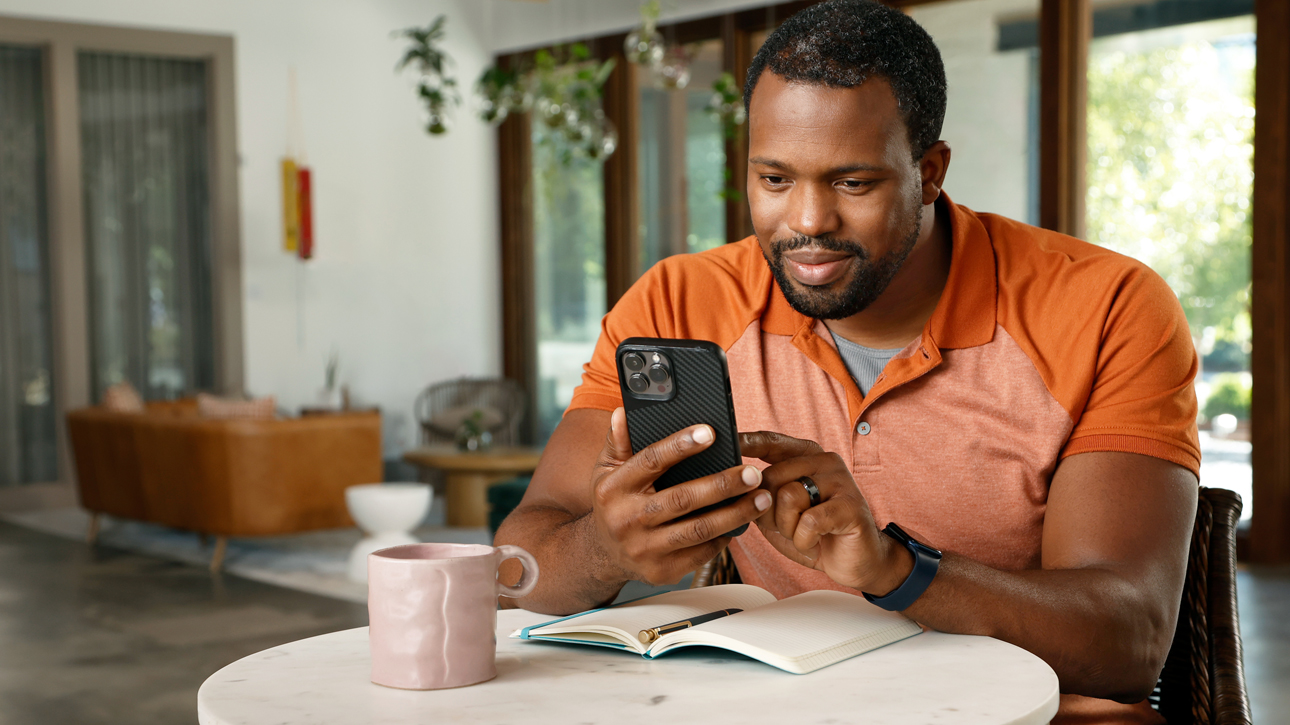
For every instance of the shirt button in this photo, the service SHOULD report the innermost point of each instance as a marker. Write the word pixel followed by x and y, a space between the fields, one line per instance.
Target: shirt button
pixel 864 428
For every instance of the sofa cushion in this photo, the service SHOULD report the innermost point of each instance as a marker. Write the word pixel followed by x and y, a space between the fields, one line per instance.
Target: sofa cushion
pixel 211 406
pixel 122 398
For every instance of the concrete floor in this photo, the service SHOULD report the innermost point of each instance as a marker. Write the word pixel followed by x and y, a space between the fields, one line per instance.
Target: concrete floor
pixel 1263 596
pixel 99 635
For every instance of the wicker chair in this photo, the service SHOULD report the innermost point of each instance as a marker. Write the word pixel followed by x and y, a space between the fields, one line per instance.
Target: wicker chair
pixel 1203 681
pixel 500 396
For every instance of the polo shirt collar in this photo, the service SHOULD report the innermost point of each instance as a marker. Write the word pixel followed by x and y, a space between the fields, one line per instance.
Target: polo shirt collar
pixel 965 314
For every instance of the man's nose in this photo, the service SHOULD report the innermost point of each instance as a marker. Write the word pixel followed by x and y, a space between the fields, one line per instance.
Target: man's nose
pixel 813 211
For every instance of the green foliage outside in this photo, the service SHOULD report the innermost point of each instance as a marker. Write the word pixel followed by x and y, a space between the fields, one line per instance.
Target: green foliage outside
pixel 1231 395
pixel 1170 175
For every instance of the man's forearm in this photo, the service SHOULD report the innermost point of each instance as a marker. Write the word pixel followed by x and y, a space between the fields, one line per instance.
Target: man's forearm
pixel 574 574
pixel 1090 625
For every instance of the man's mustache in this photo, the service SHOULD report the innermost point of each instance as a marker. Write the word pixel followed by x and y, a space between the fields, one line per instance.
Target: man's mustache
pixel 801 241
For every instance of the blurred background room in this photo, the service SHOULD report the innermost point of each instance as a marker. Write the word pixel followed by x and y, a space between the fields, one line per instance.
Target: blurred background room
pixel 282 282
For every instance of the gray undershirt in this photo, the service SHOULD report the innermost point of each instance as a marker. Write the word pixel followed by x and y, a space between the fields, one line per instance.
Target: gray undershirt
pixel 864 363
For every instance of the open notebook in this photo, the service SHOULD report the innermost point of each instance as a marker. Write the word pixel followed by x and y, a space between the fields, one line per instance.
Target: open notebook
pixel 799 634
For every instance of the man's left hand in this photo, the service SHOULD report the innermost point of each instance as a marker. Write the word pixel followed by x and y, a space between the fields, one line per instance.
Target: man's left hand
pixel 838 536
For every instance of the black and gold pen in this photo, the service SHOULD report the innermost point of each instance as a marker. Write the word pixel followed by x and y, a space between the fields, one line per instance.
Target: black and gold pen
pixel 649 635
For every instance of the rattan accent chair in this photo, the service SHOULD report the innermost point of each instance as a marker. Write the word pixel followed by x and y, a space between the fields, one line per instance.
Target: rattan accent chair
pixel 1203 681
pixel 498 397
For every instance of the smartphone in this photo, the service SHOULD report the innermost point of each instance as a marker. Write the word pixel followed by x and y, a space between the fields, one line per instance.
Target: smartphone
pixel 669 385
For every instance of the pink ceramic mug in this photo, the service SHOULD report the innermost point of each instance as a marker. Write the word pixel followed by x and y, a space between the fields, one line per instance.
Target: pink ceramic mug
pixel 433 612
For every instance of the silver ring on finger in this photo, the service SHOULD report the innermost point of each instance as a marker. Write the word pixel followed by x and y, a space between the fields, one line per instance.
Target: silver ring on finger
pixel 811 489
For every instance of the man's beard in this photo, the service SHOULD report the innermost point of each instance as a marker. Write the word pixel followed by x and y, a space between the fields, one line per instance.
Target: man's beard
pixel 869 278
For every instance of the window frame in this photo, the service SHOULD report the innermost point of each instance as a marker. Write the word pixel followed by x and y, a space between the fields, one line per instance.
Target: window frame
pixel 59 43
pixel 1065 33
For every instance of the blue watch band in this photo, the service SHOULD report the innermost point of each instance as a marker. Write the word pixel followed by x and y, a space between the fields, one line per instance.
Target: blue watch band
pixel 926 562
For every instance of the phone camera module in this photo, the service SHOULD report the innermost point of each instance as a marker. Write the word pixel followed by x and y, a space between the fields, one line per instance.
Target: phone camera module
pixel 633 362
pixel 658 373
pixel 637 383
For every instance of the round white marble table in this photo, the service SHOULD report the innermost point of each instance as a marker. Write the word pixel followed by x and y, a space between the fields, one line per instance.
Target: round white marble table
pixel 928 678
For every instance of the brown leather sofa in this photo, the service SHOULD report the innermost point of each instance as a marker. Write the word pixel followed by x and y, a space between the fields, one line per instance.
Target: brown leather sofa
pixel 238 477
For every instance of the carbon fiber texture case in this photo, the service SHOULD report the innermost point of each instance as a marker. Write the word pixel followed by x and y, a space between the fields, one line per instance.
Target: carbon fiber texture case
pixel 702 395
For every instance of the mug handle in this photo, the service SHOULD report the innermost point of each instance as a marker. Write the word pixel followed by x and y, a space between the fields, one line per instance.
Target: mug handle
pixel 528 580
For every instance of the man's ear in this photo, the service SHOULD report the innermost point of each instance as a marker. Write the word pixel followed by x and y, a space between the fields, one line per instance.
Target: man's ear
pixel 933 166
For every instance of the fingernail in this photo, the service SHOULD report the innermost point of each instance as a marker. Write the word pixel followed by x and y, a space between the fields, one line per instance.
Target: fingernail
pixel 703 434
pixel 751 476
pixel 762 501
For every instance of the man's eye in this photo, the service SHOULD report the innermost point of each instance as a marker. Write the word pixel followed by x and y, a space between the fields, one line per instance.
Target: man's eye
pixel 854 183
pixel 774 180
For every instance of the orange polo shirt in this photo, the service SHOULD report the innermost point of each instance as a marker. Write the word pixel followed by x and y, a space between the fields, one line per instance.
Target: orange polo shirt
pixel 1042 346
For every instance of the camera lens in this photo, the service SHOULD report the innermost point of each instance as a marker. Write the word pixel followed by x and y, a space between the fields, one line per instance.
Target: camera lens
pixel 633 362
pixel 638 383
pixel 658 373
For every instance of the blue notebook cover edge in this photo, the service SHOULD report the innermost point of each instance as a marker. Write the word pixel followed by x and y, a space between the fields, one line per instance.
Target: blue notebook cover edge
pixel 524 633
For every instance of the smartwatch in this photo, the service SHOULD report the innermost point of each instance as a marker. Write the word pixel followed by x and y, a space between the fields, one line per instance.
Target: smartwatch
pixel 926 561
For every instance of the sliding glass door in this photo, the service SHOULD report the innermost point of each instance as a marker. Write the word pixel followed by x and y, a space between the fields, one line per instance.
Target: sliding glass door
pixel 27 422
pixel 1170 182
pixel 144 149
pixel 682 162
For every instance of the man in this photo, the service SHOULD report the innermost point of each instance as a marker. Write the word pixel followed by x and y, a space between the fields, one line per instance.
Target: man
pixel 1020 400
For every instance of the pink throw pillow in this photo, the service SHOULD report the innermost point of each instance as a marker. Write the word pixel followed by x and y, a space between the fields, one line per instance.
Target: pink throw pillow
pixel 211 406
pixel 122 398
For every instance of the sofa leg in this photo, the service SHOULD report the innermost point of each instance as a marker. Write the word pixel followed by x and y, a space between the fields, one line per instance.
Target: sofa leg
pixel 217 559
pixel 92 533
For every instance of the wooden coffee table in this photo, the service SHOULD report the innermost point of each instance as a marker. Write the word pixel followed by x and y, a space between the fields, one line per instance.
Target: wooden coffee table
pixel 469 474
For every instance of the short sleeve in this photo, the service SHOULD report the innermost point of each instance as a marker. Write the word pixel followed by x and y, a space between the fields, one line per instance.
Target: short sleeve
pixel 641 312
pixel 712 295
pixel 1142 398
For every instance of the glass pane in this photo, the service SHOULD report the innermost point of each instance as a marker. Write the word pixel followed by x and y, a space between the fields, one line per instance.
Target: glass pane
pixel 27 422
pixel 1170 174
pixel 569 261
pixel 682 162
pixel 992 115
pixel 144 139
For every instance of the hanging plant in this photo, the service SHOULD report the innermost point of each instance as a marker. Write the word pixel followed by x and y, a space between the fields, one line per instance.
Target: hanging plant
pixel 569 87
pixel 437 89
pixel 673 72
pixel 564 88
pixel 644 45
pixel 726 107
pixel 502 92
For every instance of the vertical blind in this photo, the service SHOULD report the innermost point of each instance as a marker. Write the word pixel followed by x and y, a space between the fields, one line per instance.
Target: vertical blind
pixel 27 421
pixel 145 150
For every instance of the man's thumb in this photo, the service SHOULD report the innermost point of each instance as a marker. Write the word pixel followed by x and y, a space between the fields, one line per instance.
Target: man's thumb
pixel 618 445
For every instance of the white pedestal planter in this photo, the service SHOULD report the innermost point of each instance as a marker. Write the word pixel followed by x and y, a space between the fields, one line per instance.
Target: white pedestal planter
pixel 387 513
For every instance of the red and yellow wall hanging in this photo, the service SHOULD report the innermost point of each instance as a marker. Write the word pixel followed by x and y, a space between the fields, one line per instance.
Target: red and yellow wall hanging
pixel 297 184
pixel 297 209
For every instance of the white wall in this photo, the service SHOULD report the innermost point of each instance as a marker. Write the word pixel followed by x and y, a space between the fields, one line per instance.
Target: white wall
pixel 405 281
pixel 986 120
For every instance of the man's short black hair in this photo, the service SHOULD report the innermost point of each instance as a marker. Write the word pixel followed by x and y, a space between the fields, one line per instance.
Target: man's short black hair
pixel 843 43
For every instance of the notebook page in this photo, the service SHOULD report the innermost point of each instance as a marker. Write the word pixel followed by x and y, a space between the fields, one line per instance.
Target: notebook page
pixel 665 608
pixel 813 629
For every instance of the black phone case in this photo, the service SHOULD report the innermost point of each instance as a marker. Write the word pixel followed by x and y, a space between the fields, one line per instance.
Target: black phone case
pixel 702 385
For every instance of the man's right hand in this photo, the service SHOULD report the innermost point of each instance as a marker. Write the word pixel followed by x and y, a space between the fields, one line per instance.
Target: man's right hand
pixel 653 535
